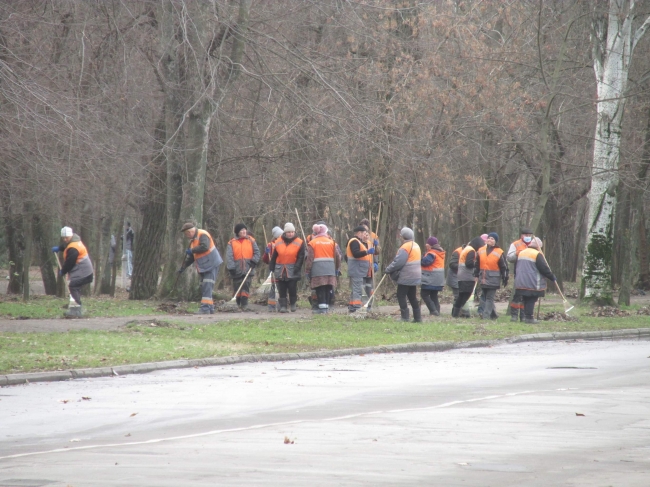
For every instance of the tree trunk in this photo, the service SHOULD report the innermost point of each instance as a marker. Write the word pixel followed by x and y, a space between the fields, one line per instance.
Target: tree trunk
pixel 15 247
pixel 28 215
pixel 43 243
pixel 638 226
pixel 105 278
pixel 613 47
pixel 154 221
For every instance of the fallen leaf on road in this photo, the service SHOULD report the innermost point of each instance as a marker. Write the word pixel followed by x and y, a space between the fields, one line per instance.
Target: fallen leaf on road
pixel 249 381
pixel 133 414
pixel 127 435
pixel 579 414
pixel 288 441
pixel 86 398
pixel 64 401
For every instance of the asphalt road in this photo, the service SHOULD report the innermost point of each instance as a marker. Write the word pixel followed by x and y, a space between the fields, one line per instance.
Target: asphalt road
pixel 531 414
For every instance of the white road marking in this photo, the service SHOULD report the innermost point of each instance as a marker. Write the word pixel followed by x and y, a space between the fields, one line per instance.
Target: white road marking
pixel 271 425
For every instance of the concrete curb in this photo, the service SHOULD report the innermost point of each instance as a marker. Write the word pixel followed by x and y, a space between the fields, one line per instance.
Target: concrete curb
pixel 14 379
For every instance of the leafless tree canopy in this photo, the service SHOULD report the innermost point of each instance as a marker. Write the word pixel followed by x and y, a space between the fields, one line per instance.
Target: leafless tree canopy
pixel 456 116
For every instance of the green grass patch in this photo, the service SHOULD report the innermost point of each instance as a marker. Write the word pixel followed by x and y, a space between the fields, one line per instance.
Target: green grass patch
pixel 141 342
pixel 52 307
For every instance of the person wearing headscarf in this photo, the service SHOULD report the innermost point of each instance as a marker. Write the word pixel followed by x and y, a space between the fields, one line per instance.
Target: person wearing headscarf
pixel 286 265
pixel 531 273
pixel 322 266
pixel 276 233
pixel 433 275
pixel 406 271
pixel 491 269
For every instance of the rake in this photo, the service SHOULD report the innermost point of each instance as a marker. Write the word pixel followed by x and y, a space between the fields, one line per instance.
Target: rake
pixel 564 300
pixel 363 311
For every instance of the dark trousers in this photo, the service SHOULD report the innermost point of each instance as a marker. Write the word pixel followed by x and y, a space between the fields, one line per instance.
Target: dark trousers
pixel 75 287
pixel 410 292
pixel 429 296
pixel 529 305
pixel 324 294
pixel 290 286
pixel 462 299
pixel 242 295
pixel 516 305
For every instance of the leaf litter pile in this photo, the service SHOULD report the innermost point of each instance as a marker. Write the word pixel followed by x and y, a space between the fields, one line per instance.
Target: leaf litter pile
pixel 608 312
pixel 173 308
pixel 557 316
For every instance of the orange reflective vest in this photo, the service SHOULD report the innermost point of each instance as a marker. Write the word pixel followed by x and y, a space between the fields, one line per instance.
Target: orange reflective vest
pixel 465 274
pixel 324 249
pixel 81 248
pixel 195 242
pixel 361 267
pixel 83 266
pixel 287 258
pixel 519 246
pixel 434 273
pixel 489 271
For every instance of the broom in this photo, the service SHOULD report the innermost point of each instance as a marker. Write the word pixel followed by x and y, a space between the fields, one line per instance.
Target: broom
pixel 232 304
pixel 268 284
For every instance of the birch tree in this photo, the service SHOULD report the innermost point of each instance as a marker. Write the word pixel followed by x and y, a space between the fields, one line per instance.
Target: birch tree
pixel 614 40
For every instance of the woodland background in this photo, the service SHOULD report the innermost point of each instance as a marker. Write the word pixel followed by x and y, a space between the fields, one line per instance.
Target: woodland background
pixel 458 116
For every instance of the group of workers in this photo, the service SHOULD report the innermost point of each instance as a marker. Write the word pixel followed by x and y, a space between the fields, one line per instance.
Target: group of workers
pixel 481 261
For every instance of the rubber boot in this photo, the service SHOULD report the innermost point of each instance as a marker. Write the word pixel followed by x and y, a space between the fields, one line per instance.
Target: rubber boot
pixel 244 303
pixel 429 304
pixel 417 315
pixel 522 316
pixel 293 307
pixel 514 314
pixel 455 312
pixel 529 320
pixel 74 312
pixel 404 312
pixel 283 305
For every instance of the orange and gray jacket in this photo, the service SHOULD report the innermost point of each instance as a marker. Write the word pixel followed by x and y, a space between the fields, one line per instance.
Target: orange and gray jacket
pixel 433 267
pixel 467 259
pixel 76 261
pixel 531 270
pixel 405 268
pixel 240 254
pixel 204 253
pixel 491 267
pixel 324 250
pixel 359 260
pixel 452 273
pixel 287 259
